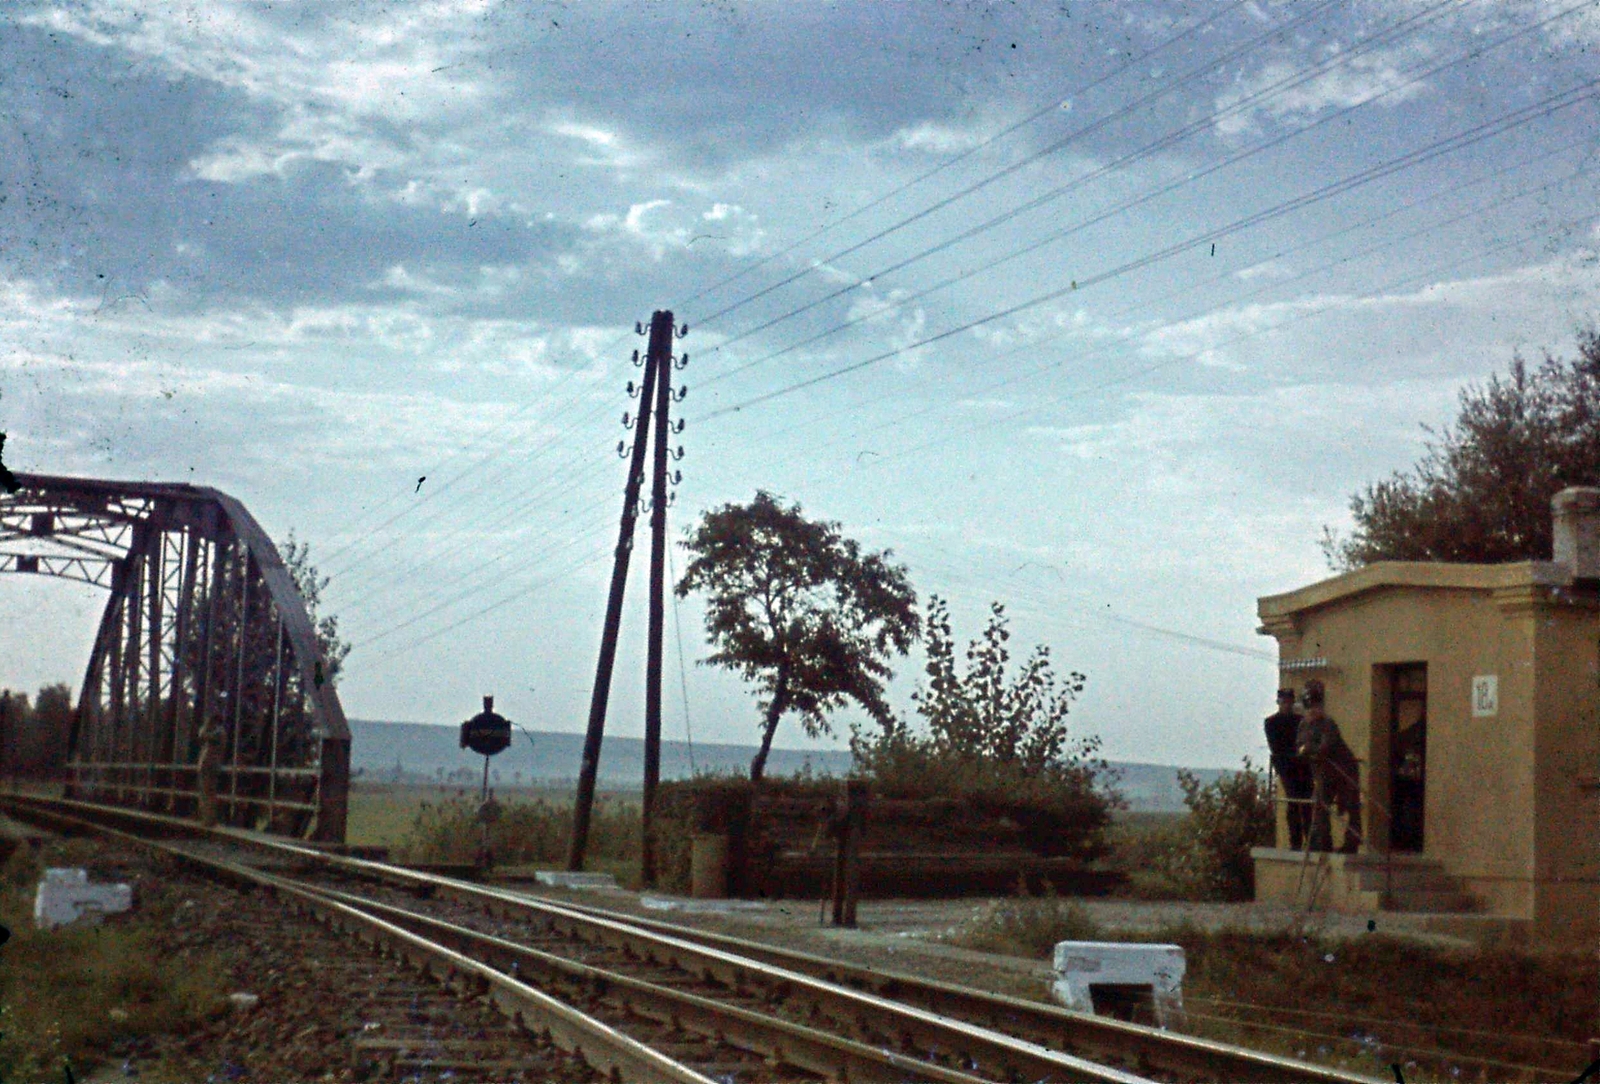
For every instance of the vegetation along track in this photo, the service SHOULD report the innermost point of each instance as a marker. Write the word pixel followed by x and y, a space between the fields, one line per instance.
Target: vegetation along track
pixel 717 1001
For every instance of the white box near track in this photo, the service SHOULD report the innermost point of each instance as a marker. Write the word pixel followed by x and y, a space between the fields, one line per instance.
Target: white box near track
pixel 66 896
pixel 1090 971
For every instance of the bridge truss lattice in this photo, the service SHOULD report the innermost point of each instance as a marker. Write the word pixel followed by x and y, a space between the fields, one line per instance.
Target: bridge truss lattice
pixel 203 623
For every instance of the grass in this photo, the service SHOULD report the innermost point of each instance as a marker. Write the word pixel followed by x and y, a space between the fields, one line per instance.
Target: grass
pixel 439 825
pixel 384 814
pixel 1367 1004
pixel 1028 927
pixel 74 994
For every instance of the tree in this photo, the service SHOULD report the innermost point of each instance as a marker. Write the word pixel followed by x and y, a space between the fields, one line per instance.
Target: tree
pixel 1482 490
pixel 310 583
pixel 998 739
pixel 981 714
pixel 800 610
pixel 51 724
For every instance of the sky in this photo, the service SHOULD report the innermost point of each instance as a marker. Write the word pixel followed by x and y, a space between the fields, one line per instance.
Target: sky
pixel 1101 311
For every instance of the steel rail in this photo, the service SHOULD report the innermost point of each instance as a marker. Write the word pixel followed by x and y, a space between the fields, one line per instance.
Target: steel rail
pixel 1032 1024
pixel 1049 1025
pixel 780 1041
pixel 604 1048
pixel 998 1054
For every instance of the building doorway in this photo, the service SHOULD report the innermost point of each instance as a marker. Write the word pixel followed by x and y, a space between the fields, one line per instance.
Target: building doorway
pixel 1408 755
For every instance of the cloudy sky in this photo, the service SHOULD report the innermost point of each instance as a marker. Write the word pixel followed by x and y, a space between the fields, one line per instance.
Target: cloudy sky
pixel 1102 311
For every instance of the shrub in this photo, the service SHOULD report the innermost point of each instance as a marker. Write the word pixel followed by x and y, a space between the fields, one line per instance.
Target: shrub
pixel 1061 809
pixel 1226 818
pixel 998 741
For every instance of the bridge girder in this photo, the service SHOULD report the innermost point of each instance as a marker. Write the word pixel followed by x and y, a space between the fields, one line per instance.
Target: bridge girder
pixel 203 621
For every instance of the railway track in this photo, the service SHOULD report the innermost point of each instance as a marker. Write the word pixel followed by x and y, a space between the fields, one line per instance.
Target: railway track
pixel 705 1004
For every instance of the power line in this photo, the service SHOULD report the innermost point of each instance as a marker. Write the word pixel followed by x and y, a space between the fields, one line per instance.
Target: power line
pixel 1288 82
pixel 1476 134
pixel 1037 114
pixel 1453 188
pixel 1139 103
pixel 434 491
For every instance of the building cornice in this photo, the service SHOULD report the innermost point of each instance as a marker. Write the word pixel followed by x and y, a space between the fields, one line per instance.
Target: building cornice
pixel 1515 583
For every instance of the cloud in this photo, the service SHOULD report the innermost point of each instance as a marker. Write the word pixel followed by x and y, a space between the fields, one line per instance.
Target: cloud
pixel 1365 77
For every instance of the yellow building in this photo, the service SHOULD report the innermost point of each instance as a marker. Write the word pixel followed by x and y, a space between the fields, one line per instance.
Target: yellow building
pixel 1493 821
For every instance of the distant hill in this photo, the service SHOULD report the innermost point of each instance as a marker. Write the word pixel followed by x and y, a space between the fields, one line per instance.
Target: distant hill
pixel 422 751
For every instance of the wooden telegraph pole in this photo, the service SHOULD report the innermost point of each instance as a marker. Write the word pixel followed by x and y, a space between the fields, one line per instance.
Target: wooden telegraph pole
pixel 658 363
pixel 658 579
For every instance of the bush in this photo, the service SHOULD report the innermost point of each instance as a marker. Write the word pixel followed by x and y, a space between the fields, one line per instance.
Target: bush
pixel 1227 818
pixel 997 740
pixel 1206 854
pixel 1061 809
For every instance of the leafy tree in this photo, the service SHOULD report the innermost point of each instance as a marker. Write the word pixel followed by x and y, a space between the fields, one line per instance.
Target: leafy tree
pixel 310 583
pixel 798 609
pixel 998 739
pixel 982 714
pixel 1482 490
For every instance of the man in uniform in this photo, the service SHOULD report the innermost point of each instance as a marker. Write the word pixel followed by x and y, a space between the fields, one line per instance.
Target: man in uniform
pixel 1335 774
pixel 1283 727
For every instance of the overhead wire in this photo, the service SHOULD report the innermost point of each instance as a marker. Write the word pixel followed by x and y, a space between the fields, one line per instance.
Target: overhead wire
pixel 1508 121
pixel 683 673
pixel 1304 315
pixel 1413 23
pixel 1305 15
pixel 373 552
pixel 949 162
pixel 1454 188
pixel 919 344
pixel 456 453
pixel 961 156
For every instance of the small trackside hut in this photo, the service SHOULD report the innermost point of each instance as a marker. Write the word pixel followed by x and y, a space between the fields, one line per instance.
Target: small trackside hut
pixel 1470 697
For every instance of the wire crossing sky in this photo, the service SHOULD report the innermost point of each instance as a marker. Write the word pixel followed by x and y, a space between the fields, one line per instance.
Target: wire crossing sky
pixel 1099 310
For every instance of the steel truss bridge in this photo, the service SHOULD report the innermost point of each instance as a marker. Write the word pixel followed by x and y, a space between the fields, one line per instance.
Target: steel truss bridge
pixel 203 623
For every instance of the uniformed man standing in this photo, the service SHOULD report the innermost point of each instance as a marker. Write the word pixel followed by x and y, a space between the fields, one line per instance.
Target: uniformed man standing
pixel 1283 728
pixel 1335 773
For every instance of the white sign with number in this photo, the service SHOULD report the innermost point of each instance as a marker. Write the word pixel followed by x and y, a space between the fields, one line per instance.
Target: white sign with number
pixel 1485 695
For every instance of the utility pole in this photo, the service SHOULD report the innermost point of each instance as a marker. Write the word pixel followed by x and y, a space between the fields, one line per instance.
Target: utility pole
pixel 660 348
pixel 658 576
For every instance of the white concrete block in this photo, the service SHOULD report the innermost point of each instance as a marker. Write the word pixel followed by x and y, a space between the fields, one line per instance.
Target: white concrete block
pixel 567 879
pixel 1083 965
pixel 65 896
pixel 698 907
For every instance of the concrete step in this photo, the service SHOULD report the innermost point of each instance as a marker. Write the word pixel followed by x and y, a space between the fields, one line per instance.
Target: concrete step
pixel 1450 901
pixel 1487 931
pixel 1434 880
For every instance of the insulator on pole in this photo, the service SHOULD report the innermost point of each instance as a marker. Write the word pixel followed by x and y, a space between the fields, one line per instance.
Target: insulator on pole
pixel 683 331
pixel 682 363
pixel 622 449
pixel 638 328
pixel 637 360
pixel 627 420
pixel 678 426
